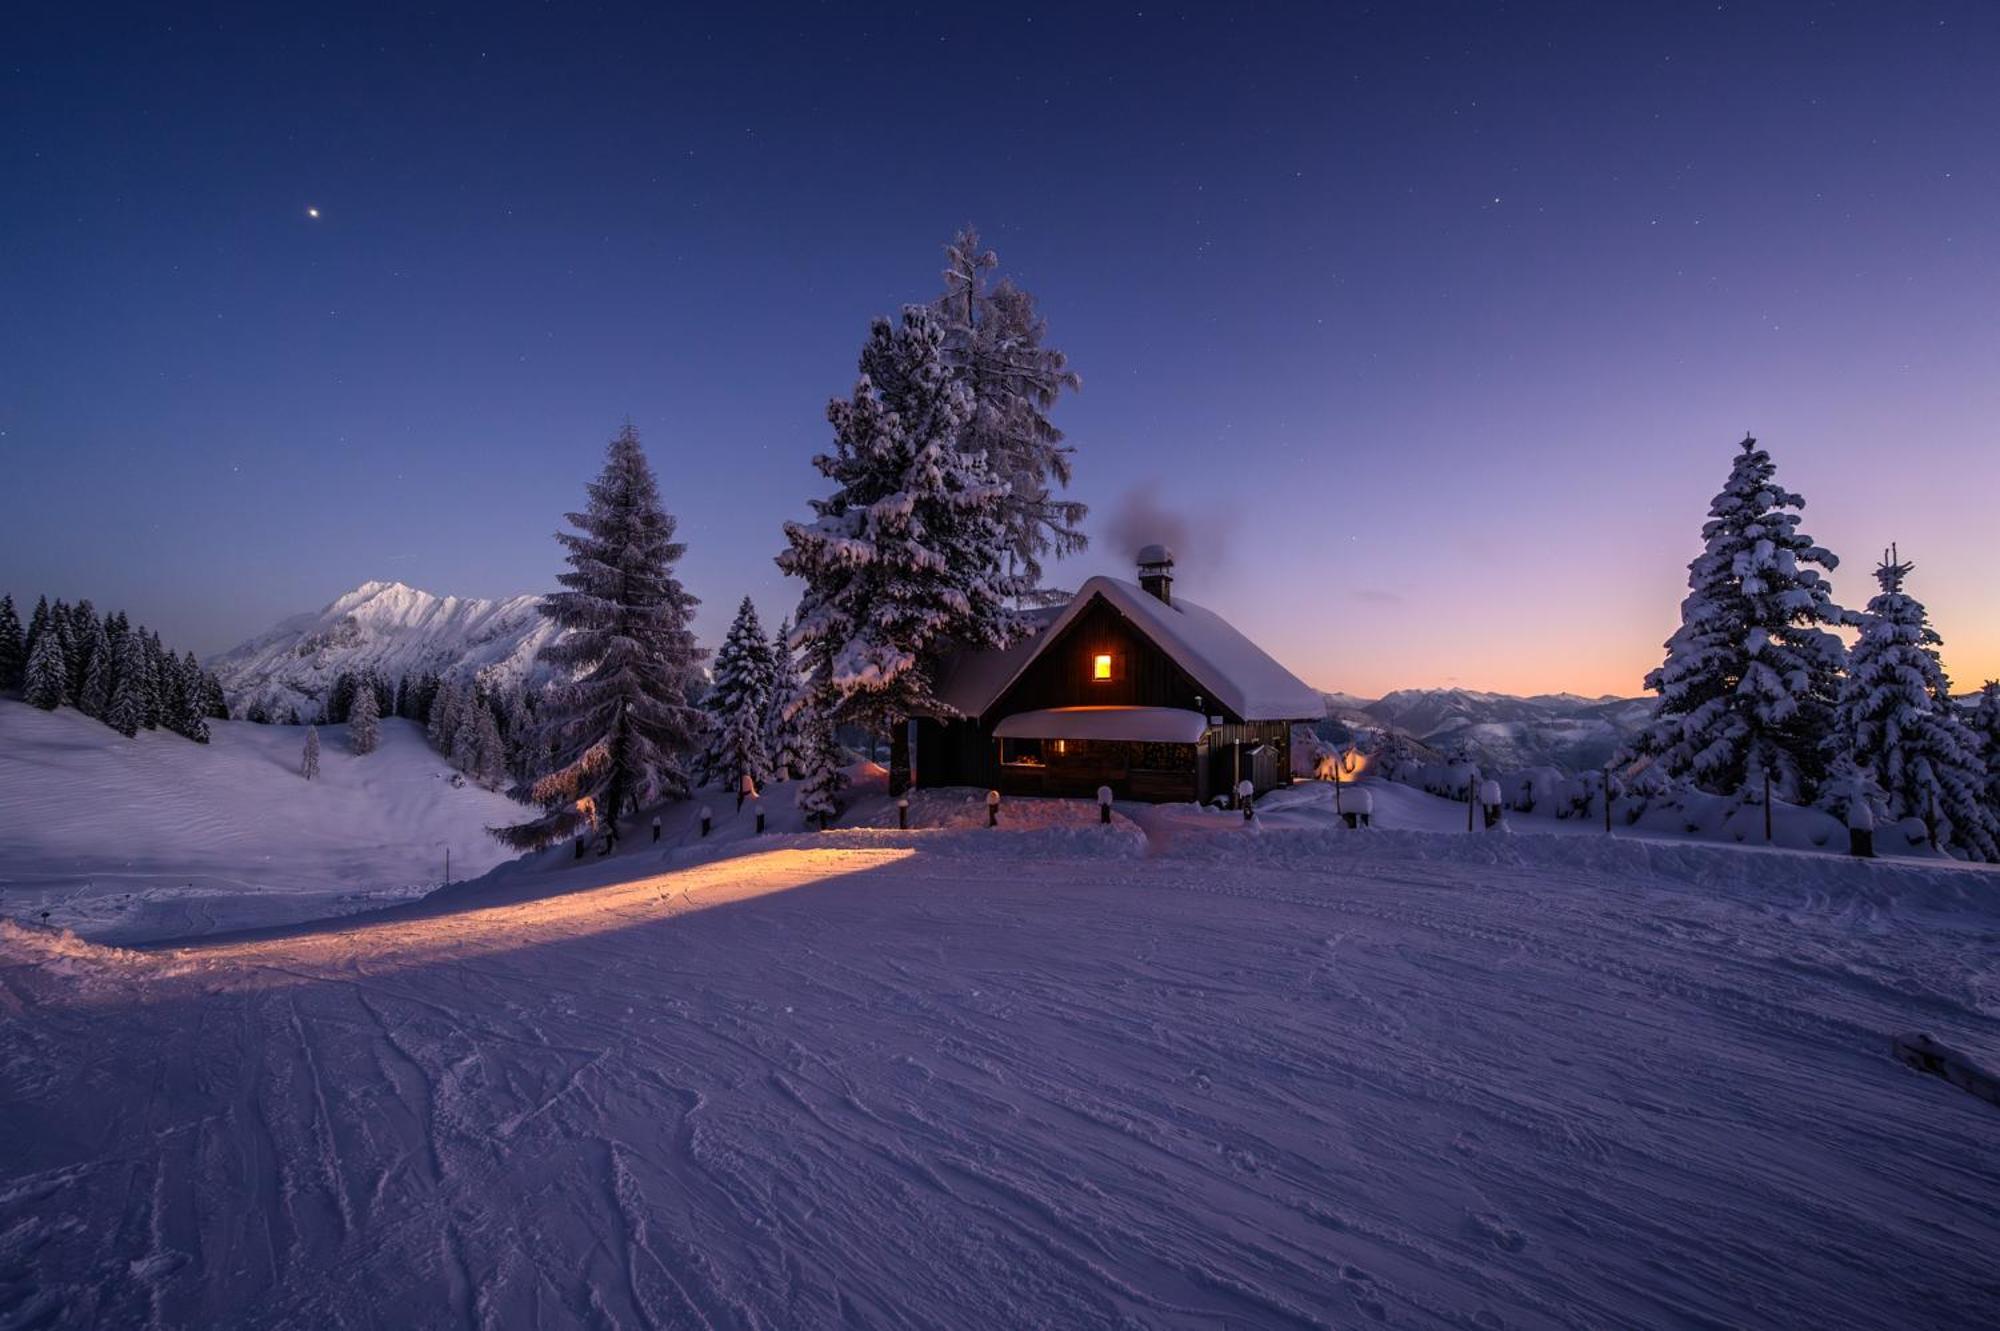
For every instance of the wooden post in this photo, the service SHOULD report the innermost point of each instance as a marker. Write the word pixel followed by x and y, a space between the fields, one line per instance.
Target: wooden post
pixel 903 813
pixel 447 866
pixel 1471 791
pixel 760 817
pixel 1767 806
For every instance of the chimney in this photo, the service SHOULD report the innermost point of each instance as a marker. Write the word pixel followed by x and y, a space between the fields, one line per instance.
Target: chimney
pixel 1156 572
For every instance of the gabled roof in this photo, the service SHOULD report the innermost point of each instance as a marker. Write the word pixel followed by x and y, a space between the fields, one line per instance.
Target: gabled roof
pixel 1235 671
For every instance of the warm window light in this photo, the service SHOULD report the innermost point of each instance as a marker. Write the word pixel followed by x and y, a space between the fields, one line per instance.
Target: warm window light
pixel 1101 667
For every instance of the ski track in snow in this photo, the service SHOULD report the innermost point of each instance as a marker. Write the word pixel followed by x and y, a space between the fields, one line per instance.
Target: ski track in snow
pixel 901 1083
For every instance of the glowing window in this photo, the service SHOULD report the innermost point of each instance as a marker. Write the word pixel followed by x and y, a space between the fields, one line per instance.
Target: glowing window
pixel 1100 666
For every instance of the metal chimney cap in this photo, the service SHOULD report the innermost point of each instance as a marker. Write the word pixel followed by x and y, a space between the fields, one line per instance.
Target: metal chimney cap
pixel 1155 554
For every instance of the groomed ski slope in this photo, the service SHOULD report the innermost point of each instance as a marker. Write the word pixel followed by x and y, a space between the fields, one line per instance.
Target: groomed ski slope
pixel 1059 1075
pixel 127 840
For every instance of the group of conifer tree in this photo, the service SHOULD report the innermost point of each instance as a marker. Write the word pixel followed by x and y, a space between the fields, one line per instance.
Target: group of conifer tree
pixel 946 500
pixel 106 668
pixel 486 732
pixel 1758 690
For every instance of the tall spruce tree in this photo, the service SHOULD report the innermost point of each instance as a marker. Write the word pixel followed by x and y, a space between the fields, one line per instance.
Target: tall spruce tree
pixel 905 558
pixel 309 756
pixel 818 771
pixel 1986 721
pixel 994 346
pixel 192 718
pixel 1751 677
pixel 94 699
pixel 126 712
pixel 82 631
pixel 620 730
pixel 739 702
pixel 47 672
pixel 13 647
pixel 364 728
pixel 1899 726
pixel 780 734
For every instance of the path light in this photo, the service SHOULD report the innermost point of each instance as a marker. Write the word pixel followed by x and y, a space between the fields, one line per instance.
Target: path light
pixel 1104 804
pixel 903 813
pixel 993 808
pixel 1244 792
pixel 707 819
pixel 757 807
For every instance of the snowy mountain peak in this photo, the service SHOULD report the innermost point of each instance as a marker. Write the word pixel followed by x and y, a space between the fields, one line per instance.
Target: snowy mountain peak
pixel 391 628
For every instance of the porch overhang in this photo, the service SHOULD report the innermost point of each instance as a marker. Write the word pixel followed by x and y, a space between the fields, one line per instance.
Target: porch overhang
pixel 1144 725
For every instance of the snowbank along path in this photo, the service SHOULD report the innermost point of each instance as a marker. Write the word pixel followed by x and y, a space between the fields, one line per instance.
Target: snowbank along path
pixel 1054 1077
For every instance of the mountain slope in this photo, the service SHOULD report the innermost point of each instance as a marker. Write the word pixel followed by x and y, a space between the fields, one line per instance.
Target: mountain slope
pixel 389 628
pixel 135 838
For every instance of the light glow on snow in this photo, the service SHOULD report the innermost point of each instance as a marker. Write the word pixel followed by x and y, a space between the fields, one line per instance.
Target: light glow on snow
pixel 487 931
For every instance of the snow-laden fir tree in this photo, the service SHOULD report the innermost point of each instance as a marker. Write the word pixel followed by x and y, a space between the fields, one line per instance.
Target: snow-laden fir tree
pixel 1899 726
pixel 309 758
pixel 739 703
pixel 126 712
pixel 13 647
pixel 994 346
pixel 1751 676
pixel 620 729
pixel 905 558
pixel 1986 722
pixel 818 770
pixel 195 701
pixel 364 720
pixel 81 639
pixel 47 672
pixel 447 714
pixel 780 734
pixel 98 677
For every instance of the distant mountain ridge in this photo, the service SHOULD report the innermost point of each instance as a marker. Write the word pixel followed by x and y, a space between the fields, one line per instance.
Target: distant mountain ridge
pixel 392 629
pixel 1501 730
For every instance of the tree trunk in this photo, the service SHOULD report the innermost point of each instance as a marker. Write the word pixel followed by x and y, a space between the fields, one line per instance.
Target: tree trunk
pixel 899 755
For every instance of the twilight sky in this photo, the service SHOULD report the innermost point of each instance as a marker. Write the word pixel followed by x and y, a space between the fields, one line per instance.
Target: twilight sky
pixel 1432 326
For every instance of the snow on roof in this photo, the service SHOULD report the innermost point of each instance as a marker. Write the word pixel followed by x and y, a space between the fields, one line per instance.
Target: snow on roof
pixel 1234 670
pixel 1149 725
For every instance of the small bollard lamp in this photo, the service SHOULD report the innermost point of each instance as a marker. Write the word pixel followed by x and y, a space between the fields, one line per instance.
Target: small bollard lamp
pixel 903 813
pixel 1104 804
pixel 1244 792
pixel 707 819
pixel 993 808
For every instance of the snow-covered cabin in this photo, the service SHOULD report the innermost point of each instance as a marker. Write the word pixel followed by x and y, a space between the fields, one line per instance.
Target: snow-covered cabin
pixel 1125 686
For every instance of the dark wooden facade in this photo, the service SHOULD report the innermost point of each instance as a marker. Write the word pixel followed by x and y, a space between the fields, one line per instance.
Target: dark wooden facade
pixel 1065 673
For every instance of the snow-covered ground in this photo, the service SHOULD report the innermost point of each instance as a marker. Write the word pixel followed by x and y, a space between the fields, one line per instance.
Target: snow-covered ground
pixel 1173 1072
pixel 153 837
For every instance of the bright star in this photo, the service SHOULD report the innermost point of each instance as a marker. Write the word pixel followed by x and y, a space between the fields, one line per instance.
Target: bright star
pixel 312 212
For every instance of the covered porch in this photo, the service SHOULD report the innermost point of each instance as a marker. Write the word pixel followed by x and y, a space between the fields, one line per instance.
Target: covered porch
pixel 1142 753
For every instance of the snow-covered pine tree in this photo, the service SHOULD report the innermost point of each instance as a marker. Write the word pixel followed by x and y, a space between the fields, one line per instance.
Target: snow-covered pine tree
pixel 993 343
pixel 214 701
pixel 817 766
pixel 364 720
pixel 47 672
pixel 447 714
pixel 780 735
pixel 739 703
pixel 1898 724
pixel 620 729
pixel 1986 721
pixel 95 698
pixel 477 749
pixel 81 640
pixel 38 624
pixel 59 629
pixel 905 557
pixel 13 647
pixel 309 759
pixel 126 712
pixel 192 721
pixel 1751 677
pixel 153 683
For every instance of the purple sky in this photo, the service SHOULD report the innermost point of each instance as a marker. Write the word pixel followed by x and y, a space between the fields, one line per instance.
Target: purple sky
pixel 1433 327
